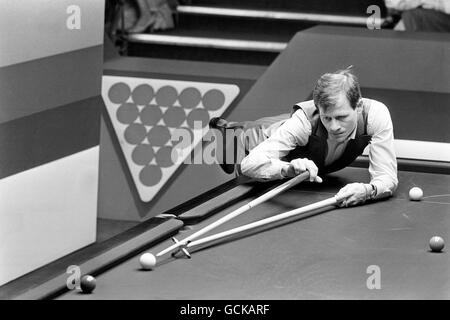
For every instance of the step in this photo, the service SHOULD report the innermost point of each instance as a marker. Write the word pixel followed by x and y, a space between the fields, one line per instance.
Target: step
pixel 344 7
pixel 202 40
pixel 273 15
pixel 181 68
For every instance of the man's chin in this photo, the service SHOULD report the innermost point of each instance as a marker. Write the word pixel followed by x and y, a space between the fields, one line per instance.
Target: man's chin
pixel 338 138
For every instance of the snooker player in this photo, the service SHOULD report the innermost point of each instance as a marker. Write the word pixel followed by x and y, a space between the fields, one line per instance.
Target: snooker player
pixel 322 135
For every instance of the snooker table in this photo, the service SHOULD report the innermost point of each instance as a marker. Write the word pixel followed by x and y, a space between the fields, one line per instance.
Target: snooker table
pixel 324 254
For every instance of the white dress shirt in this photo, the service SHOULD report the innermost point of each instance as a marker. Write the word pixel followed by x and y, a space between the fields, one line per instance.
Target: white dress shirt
pixel 264 161
pixel 402 5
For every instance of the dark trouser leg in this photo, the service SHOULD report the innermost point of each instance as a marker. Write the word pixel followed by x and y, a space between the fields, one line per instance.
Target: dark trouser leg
pixel 239 138
pixel 145 17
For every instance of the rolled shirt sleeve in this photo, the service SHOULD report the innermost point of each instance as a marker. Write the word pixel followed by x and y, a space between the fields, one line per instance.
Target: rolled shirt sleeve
pixel 440 5
pixel 264 161
pixel 446 6
pixel 382 157
pixel 402 4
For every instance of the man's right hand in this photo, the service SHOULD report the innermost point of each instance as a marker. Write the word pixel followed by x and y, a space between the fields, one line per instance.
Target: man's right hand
pixel 298 166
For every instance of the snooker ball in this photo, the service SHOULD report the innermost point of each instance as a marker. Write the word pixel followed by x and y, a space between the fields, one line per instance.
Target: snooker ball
pixel 87 283
pixel 147 261
pixel 415 194
pixel 437 244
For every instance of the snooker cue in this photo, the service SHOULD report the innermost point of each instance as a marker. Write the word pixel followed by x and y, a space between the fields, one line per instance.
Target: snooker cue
pixel 253 225
pixel 268 195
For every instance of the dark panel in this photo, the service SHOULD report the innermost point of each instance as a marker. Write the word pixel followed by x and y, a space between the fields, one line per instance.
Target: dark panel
pixel 109 49
pixel 256 29
pixel 49 135
pixel 382 59
pixel 385 33
pixel 42 84
pixel 259 58
pixel 162 68
pixel 416 115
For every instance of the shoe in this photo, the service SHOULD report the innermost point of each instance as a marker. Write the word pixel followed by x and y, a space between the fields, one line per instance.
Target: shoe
pixel 143 24
pixel 222 125
pixel 390 22
pixel 217 122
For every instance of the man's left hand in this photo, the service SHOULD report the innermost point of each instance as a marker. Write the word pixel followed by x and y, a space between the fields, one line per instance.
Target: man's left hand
pixel 352 194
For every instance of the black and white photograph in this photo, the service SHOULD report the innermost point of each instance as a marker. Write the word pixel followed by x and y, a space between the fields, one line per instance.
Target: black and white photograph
pixel 224 155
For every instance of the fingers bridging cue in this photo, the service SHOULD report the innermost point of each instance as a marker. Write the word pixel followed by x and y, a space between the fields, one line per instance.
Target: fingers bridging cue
pixel 182 248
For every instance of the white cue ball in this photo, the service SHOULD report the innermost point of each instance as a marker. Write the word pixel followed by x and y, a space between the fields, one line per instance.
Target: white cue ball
pixel 415 194
pixel 147 261
pixel 437 244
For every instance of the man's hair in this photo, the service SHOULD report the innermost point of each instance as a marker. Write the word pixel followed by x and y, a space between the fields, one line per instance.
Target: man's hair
pixel 330 86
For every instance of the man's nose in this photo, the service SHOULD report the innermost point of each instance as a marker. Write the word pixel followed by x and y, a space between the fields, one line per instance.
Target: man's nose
pixel 334 125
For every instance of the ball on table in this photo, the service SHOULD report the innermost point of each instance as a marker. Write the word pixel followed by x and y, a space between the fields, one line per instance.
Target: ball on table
pixel 415 194
pixel 88 283
pixel 147 261
pixel 436 244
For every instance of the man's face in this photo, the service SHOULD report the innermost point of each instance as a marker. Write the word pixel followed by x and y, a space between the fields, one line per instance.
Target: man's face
pixel 339 120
